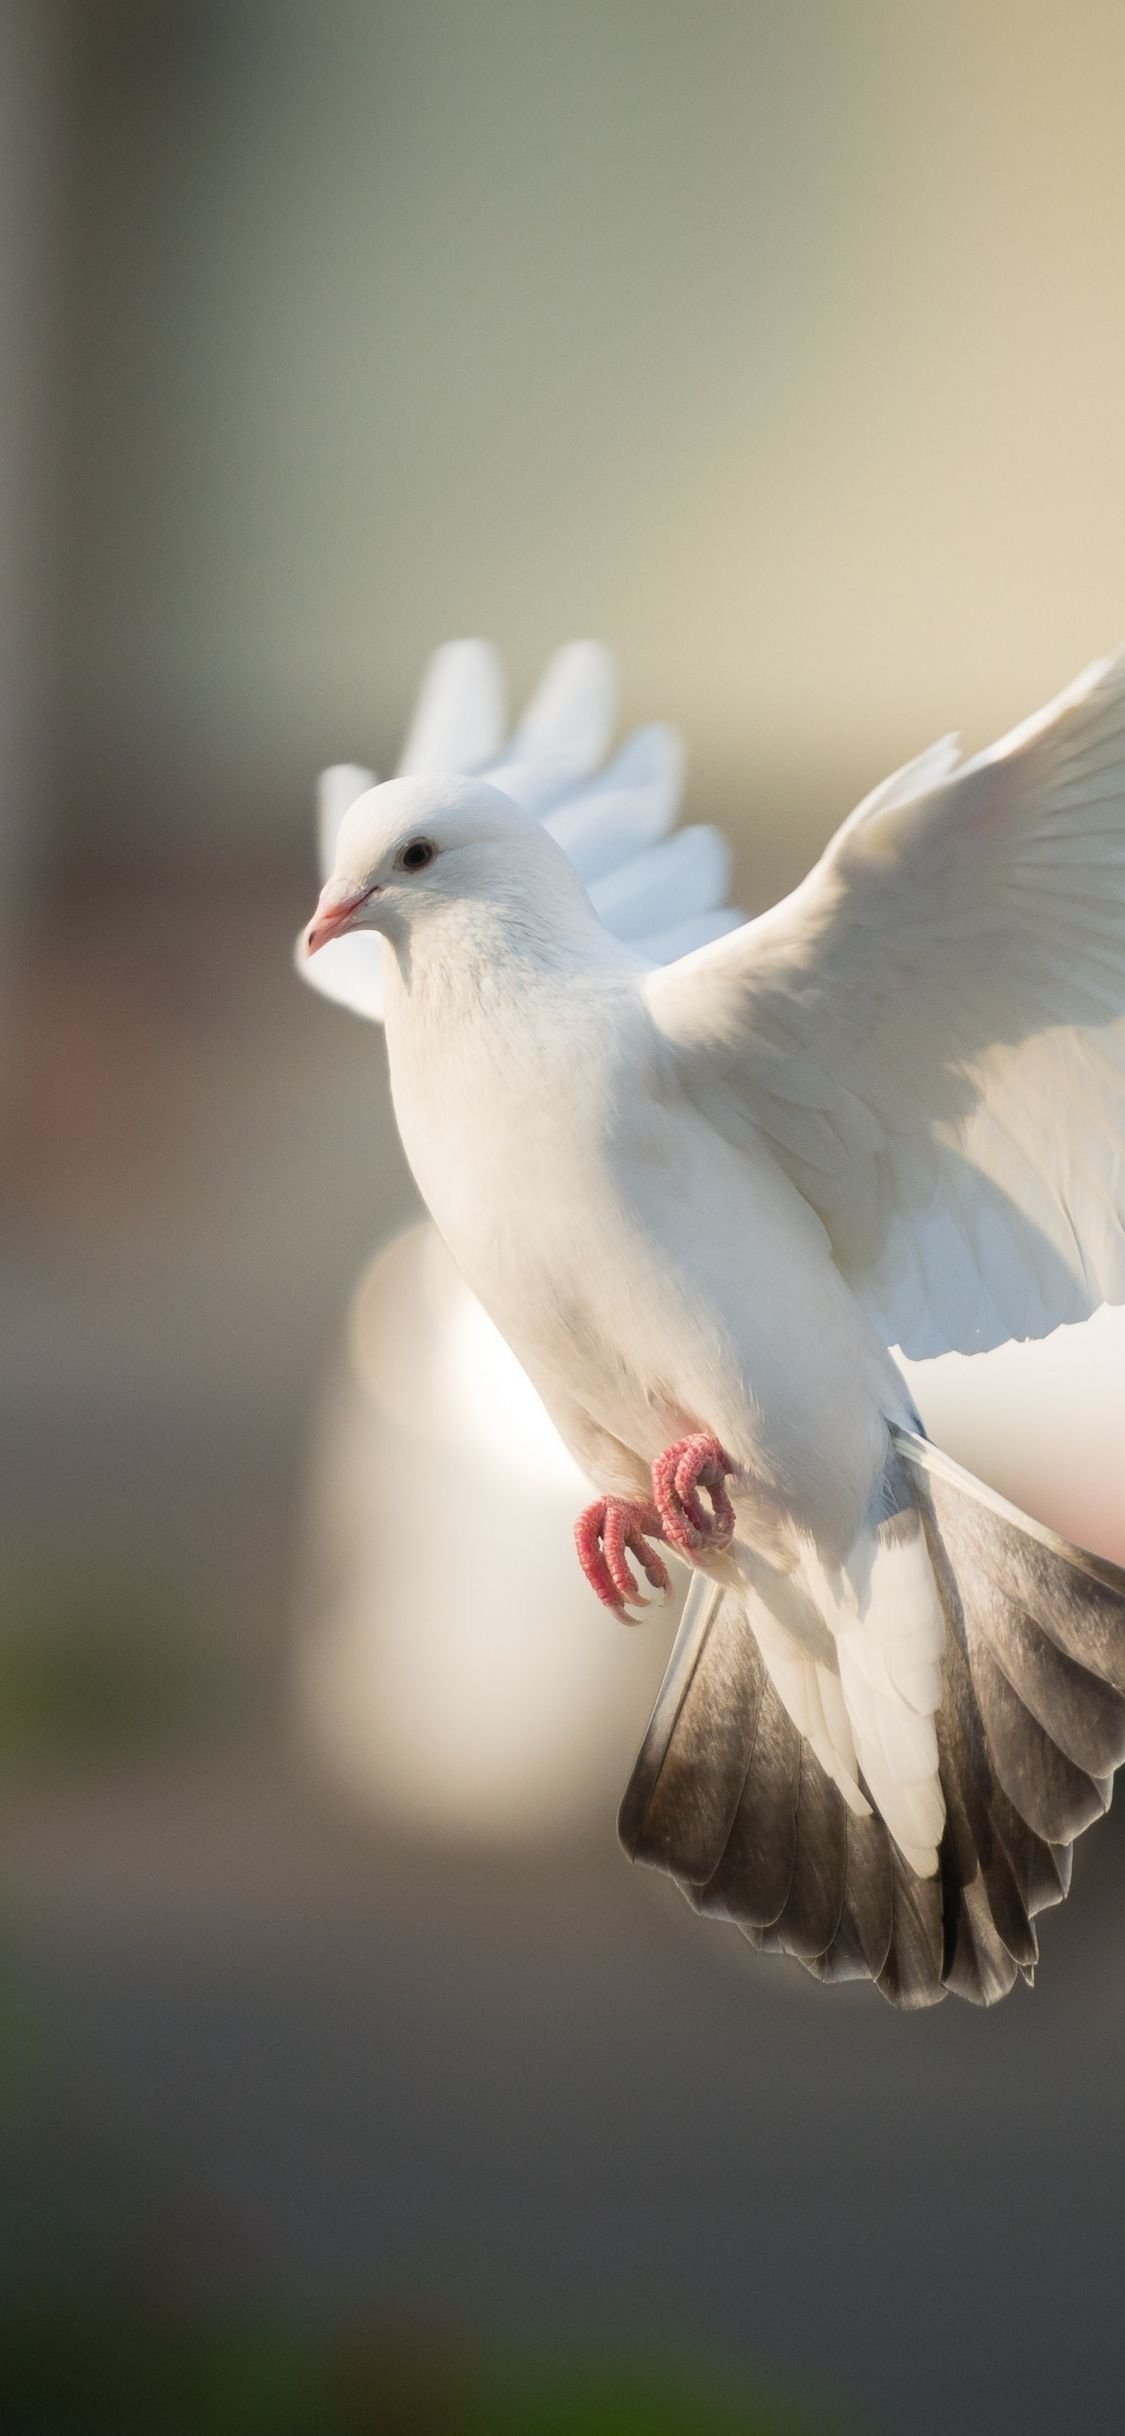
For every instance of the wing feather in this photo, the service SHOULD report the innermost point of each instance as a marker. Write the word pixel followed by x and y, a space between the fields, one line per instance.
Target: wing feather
pixel 460 716
pixel 946 993
pixel 664 945
pixel 571 713
pixel 631 805
pixel 336 791
pixel 687 874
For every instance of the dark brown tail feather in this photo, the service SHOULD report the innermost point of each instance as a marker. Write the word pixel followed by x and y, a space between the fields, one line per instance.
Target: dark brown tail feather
pixel 727 1799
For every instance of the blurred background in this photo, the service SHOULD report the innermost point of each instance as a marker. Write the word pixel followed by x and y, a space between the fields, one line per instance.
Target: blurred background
pixel 349 2079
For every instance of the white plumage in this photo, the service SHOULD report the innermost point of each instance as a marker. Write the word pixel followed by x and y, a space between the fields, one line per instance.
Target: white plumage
pixel 607 819
pixel 706 1195
pixel 929 1032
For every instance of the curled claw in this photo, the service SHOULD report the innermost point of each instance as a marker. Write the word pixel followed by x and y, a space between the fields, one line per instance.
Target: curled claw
pixel 607 1535
pixel 696 1470
pixel 678 1475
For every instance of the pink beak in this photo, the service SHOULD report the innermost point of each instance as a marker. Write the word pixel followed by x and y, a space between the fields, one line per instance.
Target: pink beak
pixel 336 910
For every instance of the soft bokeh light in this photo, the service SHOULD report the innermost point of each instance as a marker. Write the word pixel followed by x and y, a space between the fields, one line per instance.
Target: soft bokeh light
pixel 454 1668
pixel 429 1358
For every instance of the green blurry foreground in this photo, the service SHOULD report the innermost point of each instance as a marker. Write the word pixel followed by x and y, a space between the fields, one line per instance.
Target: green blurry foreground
pixel 79 2369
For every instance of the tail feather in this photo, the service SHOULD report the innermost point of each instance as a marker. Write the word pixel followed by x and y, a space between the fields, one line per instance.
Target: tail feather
pixel 912 1977
pixel 987 1932
pixel 1083 1715
pixel 987 1923
pixel 1057 1798
pixel 753 1877
pixel 808 1925
pixel 1073 1596
pixel 1042 1870
pixel 683 1796
pixel 861 1946
pixel 728 1798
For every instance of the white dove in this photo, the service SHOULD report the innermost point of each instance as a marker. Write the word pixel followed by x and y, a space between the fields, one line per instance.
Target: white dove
pixel 701 1201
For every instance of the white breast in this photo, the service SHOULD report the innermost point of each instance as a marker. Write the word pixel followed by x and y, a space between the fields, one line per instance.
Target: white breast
pixel 665 1279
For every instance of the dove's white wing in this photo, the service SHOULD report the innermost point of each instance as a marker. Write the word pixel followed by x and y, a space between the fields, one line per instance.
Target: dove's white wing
pixel 460 716
pixel 352 972
pixel 664 894
pixel 631 804
pixel 571 713
pixel 685 876
pixel 663 946
pixel 337 790
pixel 931 1032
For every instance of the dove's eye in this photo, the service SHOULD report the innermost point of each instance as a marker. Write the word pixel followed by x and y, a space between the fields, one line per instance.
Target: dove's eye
pixel 417 854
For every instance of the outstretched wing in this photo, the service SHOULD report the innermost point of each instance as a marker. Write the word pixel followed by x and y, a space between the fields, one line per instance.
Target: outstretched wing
pixel 614 819
pixel 930 1032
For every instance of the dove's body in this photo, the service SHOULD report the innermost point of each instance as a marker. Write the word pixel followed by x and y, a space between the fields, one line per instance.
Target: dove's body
pixel 643 1269
pixel 701 1197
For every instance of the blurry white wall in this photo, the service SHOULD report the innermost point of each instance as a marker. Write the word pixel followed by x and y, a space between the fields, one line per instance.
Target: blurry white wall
pixel 779 345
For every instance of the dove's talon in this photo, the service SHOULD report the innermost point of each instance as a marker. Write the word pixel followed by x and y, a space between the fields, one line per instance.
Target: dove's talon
pixel 610 1532
pixel 678 1475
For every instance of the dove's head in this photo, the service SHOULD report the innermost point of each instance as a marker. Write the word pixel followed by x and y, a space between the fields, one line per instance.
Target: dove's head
pixel 418 846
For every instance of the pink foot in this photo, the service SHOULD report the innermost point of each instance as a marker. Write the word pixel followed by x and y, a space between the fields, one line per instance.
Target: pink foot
pixel 678 1475
pixel 606 1535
